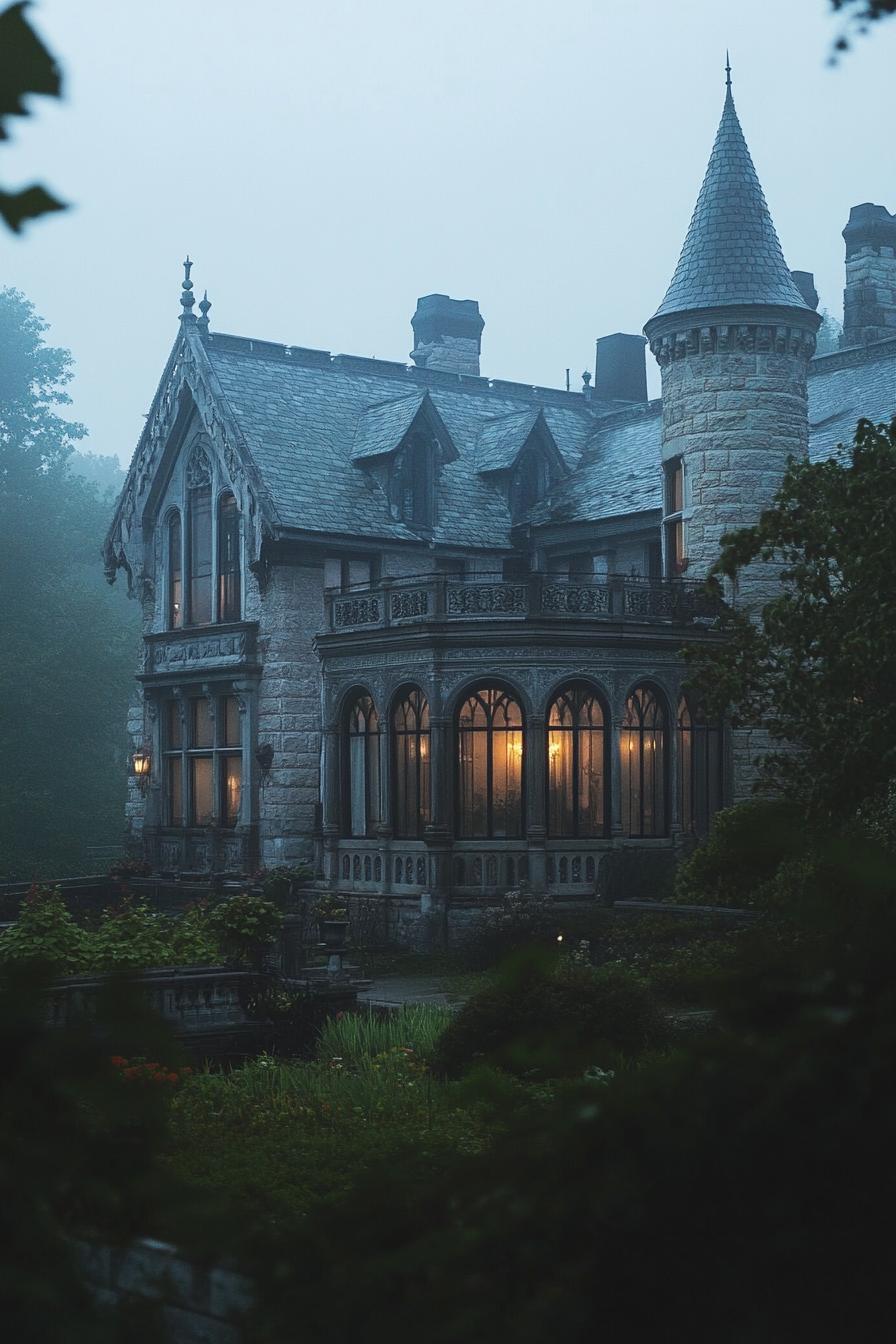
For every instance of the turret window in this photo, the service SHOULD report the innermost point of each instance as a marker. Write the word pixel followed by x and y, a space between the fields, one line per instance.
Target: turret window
pixel 673 518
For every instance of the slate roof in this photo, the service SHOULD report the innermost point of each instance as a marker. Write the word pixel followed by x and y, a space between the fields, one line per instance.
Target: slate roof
pixel 381 428
pixel 502 440
pixel 310 421
pixel 731 254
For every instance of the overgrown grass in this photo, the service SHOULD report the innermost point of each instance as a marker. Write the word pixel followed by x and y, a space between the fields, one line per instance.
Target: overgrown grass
pixel 358 1039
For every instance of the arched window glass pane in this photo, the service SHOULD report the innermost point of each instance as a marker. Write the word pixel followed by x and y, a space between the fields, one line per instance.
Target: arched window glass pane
pixel 228 559
pixel 643 765
pixel 576 765
pixel 410 728
pixel 699 767
pixel 200 555
pixel 175 574
pixel 363 768
pixel 490 765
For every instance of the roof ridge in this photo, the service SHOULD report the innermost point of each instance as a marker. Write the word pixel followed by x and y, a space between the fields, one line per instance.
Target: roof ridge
pixel 731 253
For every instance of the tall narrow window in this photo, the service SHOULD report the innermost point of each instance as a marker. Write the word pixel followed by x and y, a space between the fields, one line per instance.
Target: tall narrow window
pixel 490 765
pixel 203 761
pixel 363 768
pixel 200 519
pixel 643 748
pixel 410 729
pixel 175 573
pixel 577 767
pixel 699 767
pixel 228 559
pixel 673 518
pixel 413 482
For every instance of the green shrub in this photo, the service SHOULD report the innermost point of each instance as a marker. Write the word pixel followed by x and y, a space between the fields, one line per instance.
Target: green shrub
pixel 193 942
pixel 538 1023
pixel 45 932
pixel 130 936
pixel 522 919
pixel 744 850
pixel 358 1038
pixel 244 927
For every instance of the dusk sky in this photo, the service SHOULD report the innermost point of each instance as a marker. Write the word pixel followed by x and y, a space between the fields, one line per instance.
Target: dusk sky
pixel 327 163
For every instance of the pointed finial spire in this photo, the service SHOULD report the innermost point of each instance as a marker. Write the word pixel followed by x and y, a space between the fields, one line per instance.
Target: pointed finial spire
pixel 727 71
pixel 204 305
pixel 186 295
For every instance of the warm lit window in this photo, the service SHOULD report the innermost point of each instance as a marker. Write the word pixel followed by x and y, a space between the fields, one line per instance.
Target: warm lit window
pixel 673 520
pixel 228 559
pixel 643 775
pixel 410 729
pixel 490 765
pixel 363 768
pixel 699 767
pixel 175 573
pixel 201 742
pixel 577 767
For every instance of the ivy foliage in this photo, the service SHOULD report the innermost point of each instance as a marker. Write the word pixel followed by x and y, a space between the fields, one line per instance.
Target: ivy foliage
pixel 819 667
pixel 26 67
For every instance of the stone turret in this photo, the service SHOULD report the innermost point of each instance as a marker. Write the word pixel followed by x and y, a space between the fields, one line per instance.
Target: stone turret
pixel 733 337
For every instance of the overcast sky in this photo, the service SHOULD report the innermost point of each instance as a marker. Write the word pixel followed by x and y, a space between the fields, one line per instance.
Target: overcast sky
pixel 327 161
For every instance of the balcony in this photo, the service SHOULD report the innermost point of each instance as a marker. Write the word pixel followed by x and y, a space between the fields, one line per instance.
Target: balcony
pixel 436 598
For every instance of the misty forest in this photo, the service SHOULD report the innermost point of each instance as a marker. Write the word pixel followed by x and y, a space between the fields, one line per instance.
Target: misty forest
pixel 447 820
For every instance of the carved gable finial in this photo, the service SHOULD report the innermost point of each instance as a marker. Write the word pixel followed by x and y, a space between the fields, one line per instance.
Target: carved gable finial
pixel 204 305
pixel 186 295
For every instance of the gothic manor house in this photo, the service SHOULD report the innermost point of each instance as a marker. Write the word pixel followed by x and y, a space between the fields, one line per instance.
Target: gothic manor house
pixel 421 627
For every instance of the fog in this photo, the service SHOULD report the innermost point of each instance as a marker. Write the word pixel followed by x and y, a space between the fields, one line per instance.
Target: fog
pixel 326 164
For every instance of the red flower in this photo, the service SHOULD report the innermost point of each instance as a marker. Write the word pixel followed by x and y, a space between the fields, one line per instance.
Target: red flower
pixel 173 1078
pixel 119 1061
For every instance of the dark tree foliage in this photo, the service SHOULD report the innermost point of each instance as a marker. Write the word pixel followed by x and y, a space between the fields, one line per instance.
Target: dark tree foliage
pixel 69 643
pixel 819 668
pixel 26 67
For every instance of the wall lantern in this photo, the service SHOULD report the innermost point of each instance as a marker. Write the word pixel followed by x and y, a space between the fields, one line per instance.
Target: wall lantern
pixel 142 762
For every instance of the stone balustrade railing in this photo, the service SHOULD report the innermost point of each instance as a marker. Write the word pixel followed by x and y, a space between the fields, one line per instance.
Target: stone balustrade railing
pixel 440 597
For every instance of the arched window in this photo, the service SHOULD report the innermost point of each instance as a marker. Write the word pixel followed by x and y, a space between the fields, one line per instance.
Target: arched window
pixel 228 559
pixel 490 765
pixel 200 516
pixel 577 765
pixel 175 573
pixel 643 747
pixel 699 767
pixel 363 768
pixel 410 730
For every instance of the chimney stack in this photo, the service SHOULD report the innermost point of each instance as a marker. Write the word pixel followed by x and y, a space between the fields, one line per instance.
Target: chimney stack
pixel 447 334
pixel 805 283
pixel 621 370
pixel 869 299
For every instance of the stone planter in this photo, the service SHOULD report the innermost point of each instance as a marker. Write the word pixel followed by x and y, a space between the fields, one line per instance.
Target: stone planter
pixel 333 933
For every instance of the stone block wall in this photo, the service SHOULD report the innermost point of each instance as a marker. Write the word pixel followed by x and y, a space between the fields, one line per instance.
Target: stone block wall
pixel 734 418
pixel 869 299
pixel 289 712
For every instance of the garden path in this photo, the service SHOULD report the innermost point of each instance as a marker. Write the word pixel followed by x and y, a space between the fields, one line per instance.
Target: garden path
pixel 396 990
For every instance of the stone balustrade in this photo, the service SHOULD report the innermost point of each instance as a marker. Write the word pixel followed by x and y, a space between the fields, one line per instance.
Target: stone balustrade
pixel 436 598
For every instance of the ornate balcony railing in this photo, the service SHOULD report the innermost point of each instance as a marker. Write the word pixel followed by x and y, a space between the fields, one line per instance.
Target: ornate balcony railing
pixel 427 598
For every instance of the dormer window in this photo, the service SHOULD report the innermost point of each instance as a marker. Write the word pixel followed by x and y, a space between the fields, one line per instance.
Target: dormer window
pixel 413 481
pixel 528 484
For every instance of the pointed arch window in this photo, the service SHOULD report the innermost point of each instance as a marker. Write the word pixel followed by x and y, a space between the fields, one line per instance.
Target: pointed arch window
pixel 362 776
pixel 228 559
pixel 643 765
pixel 490 765
pixel 175 572
pixel 577 765
pixel 411 756
pixel 699 766
pixel 199 503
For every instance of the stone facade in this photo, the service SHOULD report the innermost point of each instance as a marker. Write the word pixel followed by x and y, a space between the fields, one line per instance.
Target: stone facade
pixel 426 530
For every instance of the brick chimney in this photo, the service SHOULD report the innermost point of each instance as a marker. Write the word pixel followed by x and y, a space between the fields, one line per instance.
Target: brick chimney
pixel 869 299
pixel 447 334
pixel 621 370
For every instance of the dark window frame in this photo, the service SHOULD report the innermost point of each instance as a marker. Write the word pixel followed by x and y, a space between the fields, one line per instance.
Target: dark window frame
pixel 500 696
pixel 634 738
pixel 581 692
pixel 411 764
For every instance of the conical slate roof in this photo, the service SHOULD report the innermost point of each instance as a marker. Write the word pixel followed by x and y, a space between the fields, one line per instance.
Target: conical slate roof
pixel 731 255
